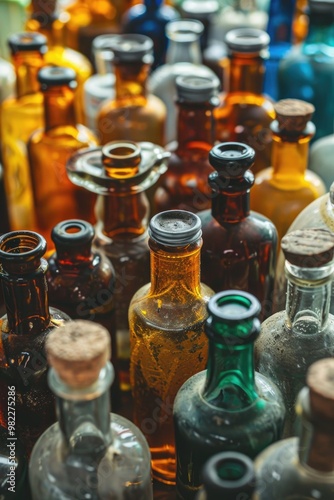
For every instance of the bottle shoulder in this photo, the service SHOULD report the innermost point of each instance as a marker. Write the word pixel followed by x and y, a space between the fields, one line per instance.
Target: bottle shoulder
pixel 65 137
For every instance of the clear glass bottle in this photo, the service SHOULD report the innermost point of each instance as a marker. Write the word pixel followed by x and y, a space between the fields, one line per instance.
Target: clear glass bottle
pixel 283 190
pixel 245 113
pixel 185 184
pixel 292 339
pixel 320 160
pixel 168 344
pixel 55 197
pixel 302 468
pixel 228 407
pixel 134 114
pixel 239 246
pixel 183 57
pixel 88 453
pixel 307 71
pixel 120 173
pixel 228 475
pixel 24 329
pixel 13 461
pixel 26 109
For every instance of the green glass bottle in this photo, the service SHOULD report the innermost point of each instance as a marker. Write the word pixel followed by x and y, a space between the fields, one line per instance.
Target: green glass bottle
pixel 228 407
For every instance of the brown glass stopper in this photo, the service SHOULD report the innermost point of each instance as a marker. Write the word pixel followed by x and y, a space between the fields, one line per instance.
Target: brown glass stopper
pixel 308 248
pixel 78 351
pixel 320 380
pixel 293 114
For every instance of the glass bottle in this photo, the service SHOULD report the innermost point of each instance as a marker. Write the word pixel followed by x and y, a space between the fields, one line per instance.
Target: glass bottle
pixel 89 452
pixel 302 467
pixel 229 406
pixel 7 80
pixel 245 113
pixel 239 245
pixel 228 475
pixel 168 343
pixel 183 57
pixel 185 184
pixel 4 220
pixel 55 197
pixel 13 461
pixel 307 71
pixel 150 18
pixel 134 114
pixel 292 339
pixel 320 160
pixel 26 109
pixel 45 19
pixel 24 330
pixel 120 173
pixel 283 190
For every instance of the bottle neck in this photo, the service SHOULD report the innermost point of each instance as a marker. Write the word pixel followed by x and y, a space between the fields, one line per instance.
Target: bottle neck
pixel 26 301
pixel 230 207
pixel 59 110
pixel 67 256
pixel 175 270
pixel 290 155
pixel 246 73
pixel 308 298
pixel 321 29
pixel 180 51
pixel 189 133
pixel 130 84
pixel 27 66
pixel 280 21
pixel 152 5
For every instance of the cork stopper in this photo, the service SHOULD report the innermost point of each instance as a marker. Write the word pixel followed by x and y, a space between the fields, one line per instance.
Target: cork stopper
pixel 293 114
pixel 78 351
pixel 308 248
pixel 320 380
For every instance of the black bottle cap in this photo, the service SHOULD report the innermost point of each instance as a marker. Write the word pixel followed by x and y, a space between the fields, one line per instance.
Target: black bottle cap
pixel 52 76
pixel 229 475
pixel 247 40
pixel 28 41
pixel 72 233
pixel 131 48
pixel 175 228
pixel 192 88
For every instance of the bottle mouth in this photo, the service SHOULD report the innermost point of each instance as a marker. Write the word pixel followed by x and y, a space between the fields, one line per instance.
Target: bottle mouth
pixel 184 31
pixel 121 159
pixel 175 228
pixel 247 40
pixel 26 42
pixel 72 232
pixel 21 250
pixel 233 306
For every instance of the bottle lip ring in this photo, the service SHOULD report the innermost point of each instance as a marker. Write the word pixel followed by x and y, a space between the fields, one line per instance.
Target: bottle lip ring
pixel 184 30
pixel 213 481
pixel 251 304
pixel 13 239
pixel 192 88
pixel 230 154
pixel 175 228
pixel 52 76
pixel 130 48
pixel 247 40
pixel 61 232
pixel 27 41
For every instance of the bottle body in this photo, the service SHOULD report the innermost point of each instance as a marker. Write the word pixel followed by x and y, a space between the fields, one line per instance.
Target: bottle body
pixel 320 164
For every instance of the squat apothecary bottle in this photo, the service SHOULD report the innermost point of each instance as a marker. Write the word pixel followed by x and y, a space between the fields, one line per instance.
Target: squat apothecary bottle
pixel 292 339
pixel 88 453
pixel 228 407
pixel 24 330
pixel 168 344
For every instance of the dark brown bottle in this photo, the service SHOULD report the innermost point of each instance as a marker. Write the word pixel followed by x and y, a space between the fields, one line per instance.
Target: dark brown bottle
pixel 24 329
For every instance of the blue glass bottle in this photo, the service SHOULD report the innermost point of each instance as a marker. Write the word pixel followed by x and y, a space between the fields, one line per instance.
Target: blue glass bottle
pixel 150 18
pixel 307 71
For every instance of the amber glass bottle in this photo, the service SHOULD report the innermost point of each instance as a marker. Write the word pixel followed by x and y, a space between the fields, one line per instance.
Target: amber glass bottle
pixel 133 114
pixel 46 19
pixel 239 246
pixel 20 116
pixel 55 197
pixel 168 343
pixel 185 184
pixel 283 190
pixel 245 114
pixel 24 329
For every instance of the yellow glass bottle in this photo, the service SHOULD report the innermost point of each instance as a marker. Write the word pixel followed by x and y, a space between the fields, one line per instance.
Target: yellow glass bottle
pixel 55 197
pixel 45 19
pixel 282 191
pixel 168 343
pixel 134 114
pixel 20 116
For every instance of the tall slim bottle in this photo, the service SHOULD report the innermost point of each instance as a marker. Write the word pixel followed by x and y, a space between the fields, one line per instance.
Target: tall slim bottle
pixel 245 113
pixel 24 330
pixel 168 343
pixel 25 109
pixel 292 339
pixel 185 184
pixel 229 406
pixel 55 197
pixel 134 114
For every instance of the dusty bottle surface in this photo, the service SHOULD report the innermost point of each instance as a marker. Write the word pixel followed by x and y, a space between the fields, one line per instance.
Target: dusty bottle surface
pixel 168 343
pixel 55 197
pixel 292 339
pixel 89 452
pixel 14 463
pixel 229 406
pixel 239 246
pixel 24 329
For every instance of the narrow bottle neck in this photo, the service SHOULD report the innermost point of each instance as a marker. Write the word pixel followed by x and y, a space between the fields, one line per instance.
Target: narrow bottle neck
pixel 27 66
pixel 130 84
pixel 246 73
pixel 290 158
pixel 230 207
pixel 321 29
pixel 67 256
pixel 153 5
pixel 59 110
pixel 195 127
pixel 26 301
pixel 180 51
